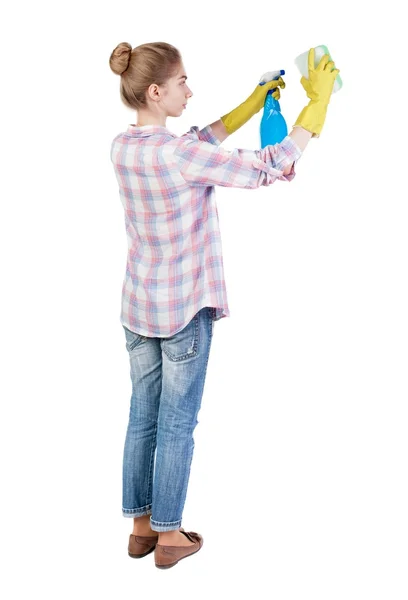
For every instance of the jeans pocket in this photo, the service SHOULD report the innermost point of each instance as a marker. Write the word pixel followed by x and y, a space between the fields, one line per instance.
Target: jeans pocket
pixel 184 344
pixel 132 339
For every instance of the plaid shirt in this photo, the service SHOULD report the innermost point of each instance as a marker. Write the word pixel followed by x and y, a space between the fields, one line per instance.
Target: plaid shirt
pixel 166 186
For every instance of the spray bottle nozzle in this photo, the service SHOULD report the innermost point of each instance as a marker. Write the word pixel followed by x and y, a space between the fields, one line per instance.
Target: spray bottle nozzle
pixel 270 75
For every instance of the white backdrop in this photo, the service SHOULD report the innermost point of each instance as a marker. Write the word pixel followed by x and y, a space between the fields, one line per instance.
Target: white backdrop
pixel 299 476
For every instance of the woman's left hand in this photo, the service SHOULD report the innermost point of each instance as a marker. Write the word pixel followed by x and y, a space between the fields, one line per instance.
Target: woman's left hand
pixel 262 89
pixel 253 104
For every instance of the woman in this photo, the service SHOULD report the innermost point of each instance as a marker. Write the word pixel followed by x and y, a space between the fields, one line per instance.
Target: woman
pixel 174 288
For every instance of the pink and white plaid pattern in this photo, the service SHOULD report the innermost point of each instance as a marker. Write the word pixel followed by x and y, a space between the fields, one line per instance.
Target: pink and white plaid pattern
pixel 166 185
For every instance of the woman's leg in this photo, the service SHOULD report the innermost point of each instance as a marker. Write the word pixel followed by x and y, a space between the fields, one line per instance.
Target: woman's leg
pixel 140 443
pixel 184 365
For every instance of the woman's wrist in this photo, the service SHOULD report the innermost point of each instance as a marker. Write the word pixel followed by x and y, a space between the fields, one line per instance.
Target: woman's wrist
pixel 301 137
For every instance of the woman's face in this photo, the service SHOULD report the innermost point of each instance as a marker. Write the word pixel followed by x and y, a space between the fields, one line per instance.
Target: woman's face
pixel 177 93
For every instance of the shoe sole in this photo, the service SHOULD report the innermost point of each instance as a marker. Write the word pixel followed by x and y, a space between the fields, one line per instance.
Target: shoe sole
pixel 141 555
pixel 177 561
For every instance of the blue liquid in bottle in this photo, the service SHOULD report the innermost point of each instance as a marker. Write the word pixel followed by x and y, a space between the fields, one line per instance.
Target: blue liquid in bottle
pixel 273 126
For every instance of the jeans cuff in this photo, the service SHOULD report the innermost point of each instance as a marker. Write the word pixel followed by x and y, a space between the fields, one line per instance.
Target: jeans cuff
pixel 137 512
pixel 163 526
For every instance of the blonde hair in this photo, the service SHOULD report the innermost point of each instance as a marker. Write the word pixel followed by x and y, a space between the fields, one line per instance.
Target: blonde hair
pixel 148 63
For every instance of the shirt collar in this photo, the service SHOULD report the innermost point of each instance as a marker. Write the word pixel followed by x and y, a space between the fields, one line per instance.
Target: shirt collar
pixel 146 130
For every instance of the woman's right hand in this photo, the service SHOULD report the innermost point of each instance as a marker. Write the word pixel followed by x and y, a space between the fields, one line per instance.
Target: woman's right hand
pixel 320 84
pixel 319 89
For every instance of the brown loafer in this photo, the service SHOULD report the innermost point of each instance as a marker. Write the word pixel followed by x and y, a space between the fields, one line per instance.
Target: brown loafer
pixel 168 556
pixel 141 545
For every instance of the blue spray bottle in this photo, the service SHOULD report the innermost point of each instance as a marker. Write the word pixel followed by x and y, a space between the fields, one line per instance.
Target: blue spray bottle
pixel 273 126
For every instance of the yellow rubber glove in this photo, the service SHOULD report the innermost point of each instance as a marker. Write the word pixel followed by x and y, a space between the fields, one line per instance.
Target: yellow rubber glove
pixel 253 104
pixel 319 89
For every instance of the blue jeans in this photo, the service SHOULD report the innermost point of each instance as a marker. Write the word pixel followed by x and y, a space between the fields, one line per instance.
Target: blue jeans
pixel 168 377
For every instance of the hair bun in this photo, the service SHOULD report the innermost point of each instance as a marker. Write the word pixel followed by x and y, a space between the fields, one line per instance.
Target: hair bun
pixel 120 58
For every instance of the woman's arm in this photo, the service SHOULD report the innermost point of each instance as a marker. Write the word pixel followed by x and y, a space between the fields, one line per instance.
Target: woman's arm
pixel 301 137
pixel 298 134
pixel 219 130
pixel 205 163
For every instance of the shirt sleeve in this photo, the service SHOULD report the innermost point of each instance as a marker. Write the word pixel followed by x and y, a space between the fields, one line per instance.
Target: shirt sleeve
pixel 203 163
pixel 205 135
